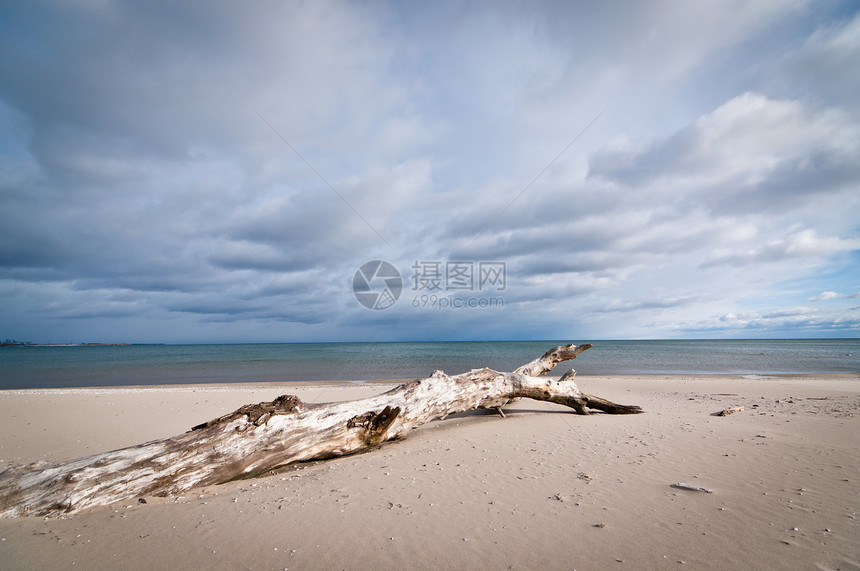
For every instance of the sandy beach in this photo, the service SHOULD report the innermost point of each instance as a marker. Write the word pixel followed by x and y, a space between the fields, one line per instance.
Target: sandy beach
pixel 540 489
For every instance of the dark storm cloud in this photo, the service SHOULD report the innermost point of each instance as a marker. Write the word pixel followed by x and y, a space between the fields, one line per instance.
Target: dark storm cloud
pixel 215 171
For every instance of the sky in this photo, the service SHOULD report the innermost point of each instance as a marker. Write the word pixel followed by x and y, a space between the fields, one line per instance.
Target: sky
pixel 193 172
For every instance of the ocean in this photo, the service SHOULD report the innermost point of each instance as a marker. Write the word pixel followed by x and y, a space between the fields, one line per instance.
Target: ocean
pixel 124 365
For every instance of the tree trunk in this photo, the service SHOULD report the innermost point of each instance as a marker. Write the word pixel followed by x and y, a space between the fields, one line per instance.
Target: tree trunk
pixel 256 439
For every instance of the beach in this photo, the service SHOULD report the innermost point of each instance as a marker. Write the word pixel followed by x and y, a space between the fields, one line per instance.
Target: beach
pixel 540 489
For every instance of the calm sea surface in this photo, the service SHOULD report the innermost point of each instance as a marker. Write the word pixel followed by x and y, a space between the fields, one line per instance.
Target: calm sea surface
pixel 49 367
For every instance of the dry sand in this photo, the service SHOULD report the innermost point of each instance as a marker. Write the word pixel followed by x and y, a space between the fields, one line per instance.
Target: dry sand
pixel 541 489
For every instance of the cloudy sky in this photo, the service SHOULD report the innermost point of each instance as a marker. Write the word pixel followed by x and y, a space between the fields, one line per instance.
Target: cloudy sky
pixel 218 171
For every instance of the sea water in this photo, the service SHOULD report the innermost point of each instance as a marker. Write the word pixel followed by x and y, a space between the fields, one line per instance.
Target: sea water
pixel 79 366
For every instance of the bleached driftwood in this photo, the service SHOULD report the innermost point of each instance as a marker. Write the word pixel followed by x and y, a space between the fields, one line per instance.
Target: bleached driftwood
pixel 732 410
pixel 692 488
pixel 258 438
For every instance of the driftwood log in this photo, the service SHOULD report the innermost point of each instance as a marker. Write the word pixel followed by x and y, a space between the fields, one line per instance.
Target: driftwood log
pixel 732 410
pixel 257 439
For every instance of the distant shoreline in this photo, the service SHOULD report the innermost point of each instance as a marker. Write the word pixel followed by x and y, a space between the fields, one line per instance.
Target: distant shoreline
pixel 16 344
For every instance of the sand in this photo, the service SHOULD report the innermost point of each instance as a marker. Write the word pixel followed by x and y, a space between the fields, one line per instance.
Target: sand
pixel 540 489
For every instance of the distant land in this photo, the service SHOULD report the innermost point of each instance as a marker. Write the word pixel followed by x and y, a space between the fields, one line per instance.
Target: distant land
pixel 13 343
